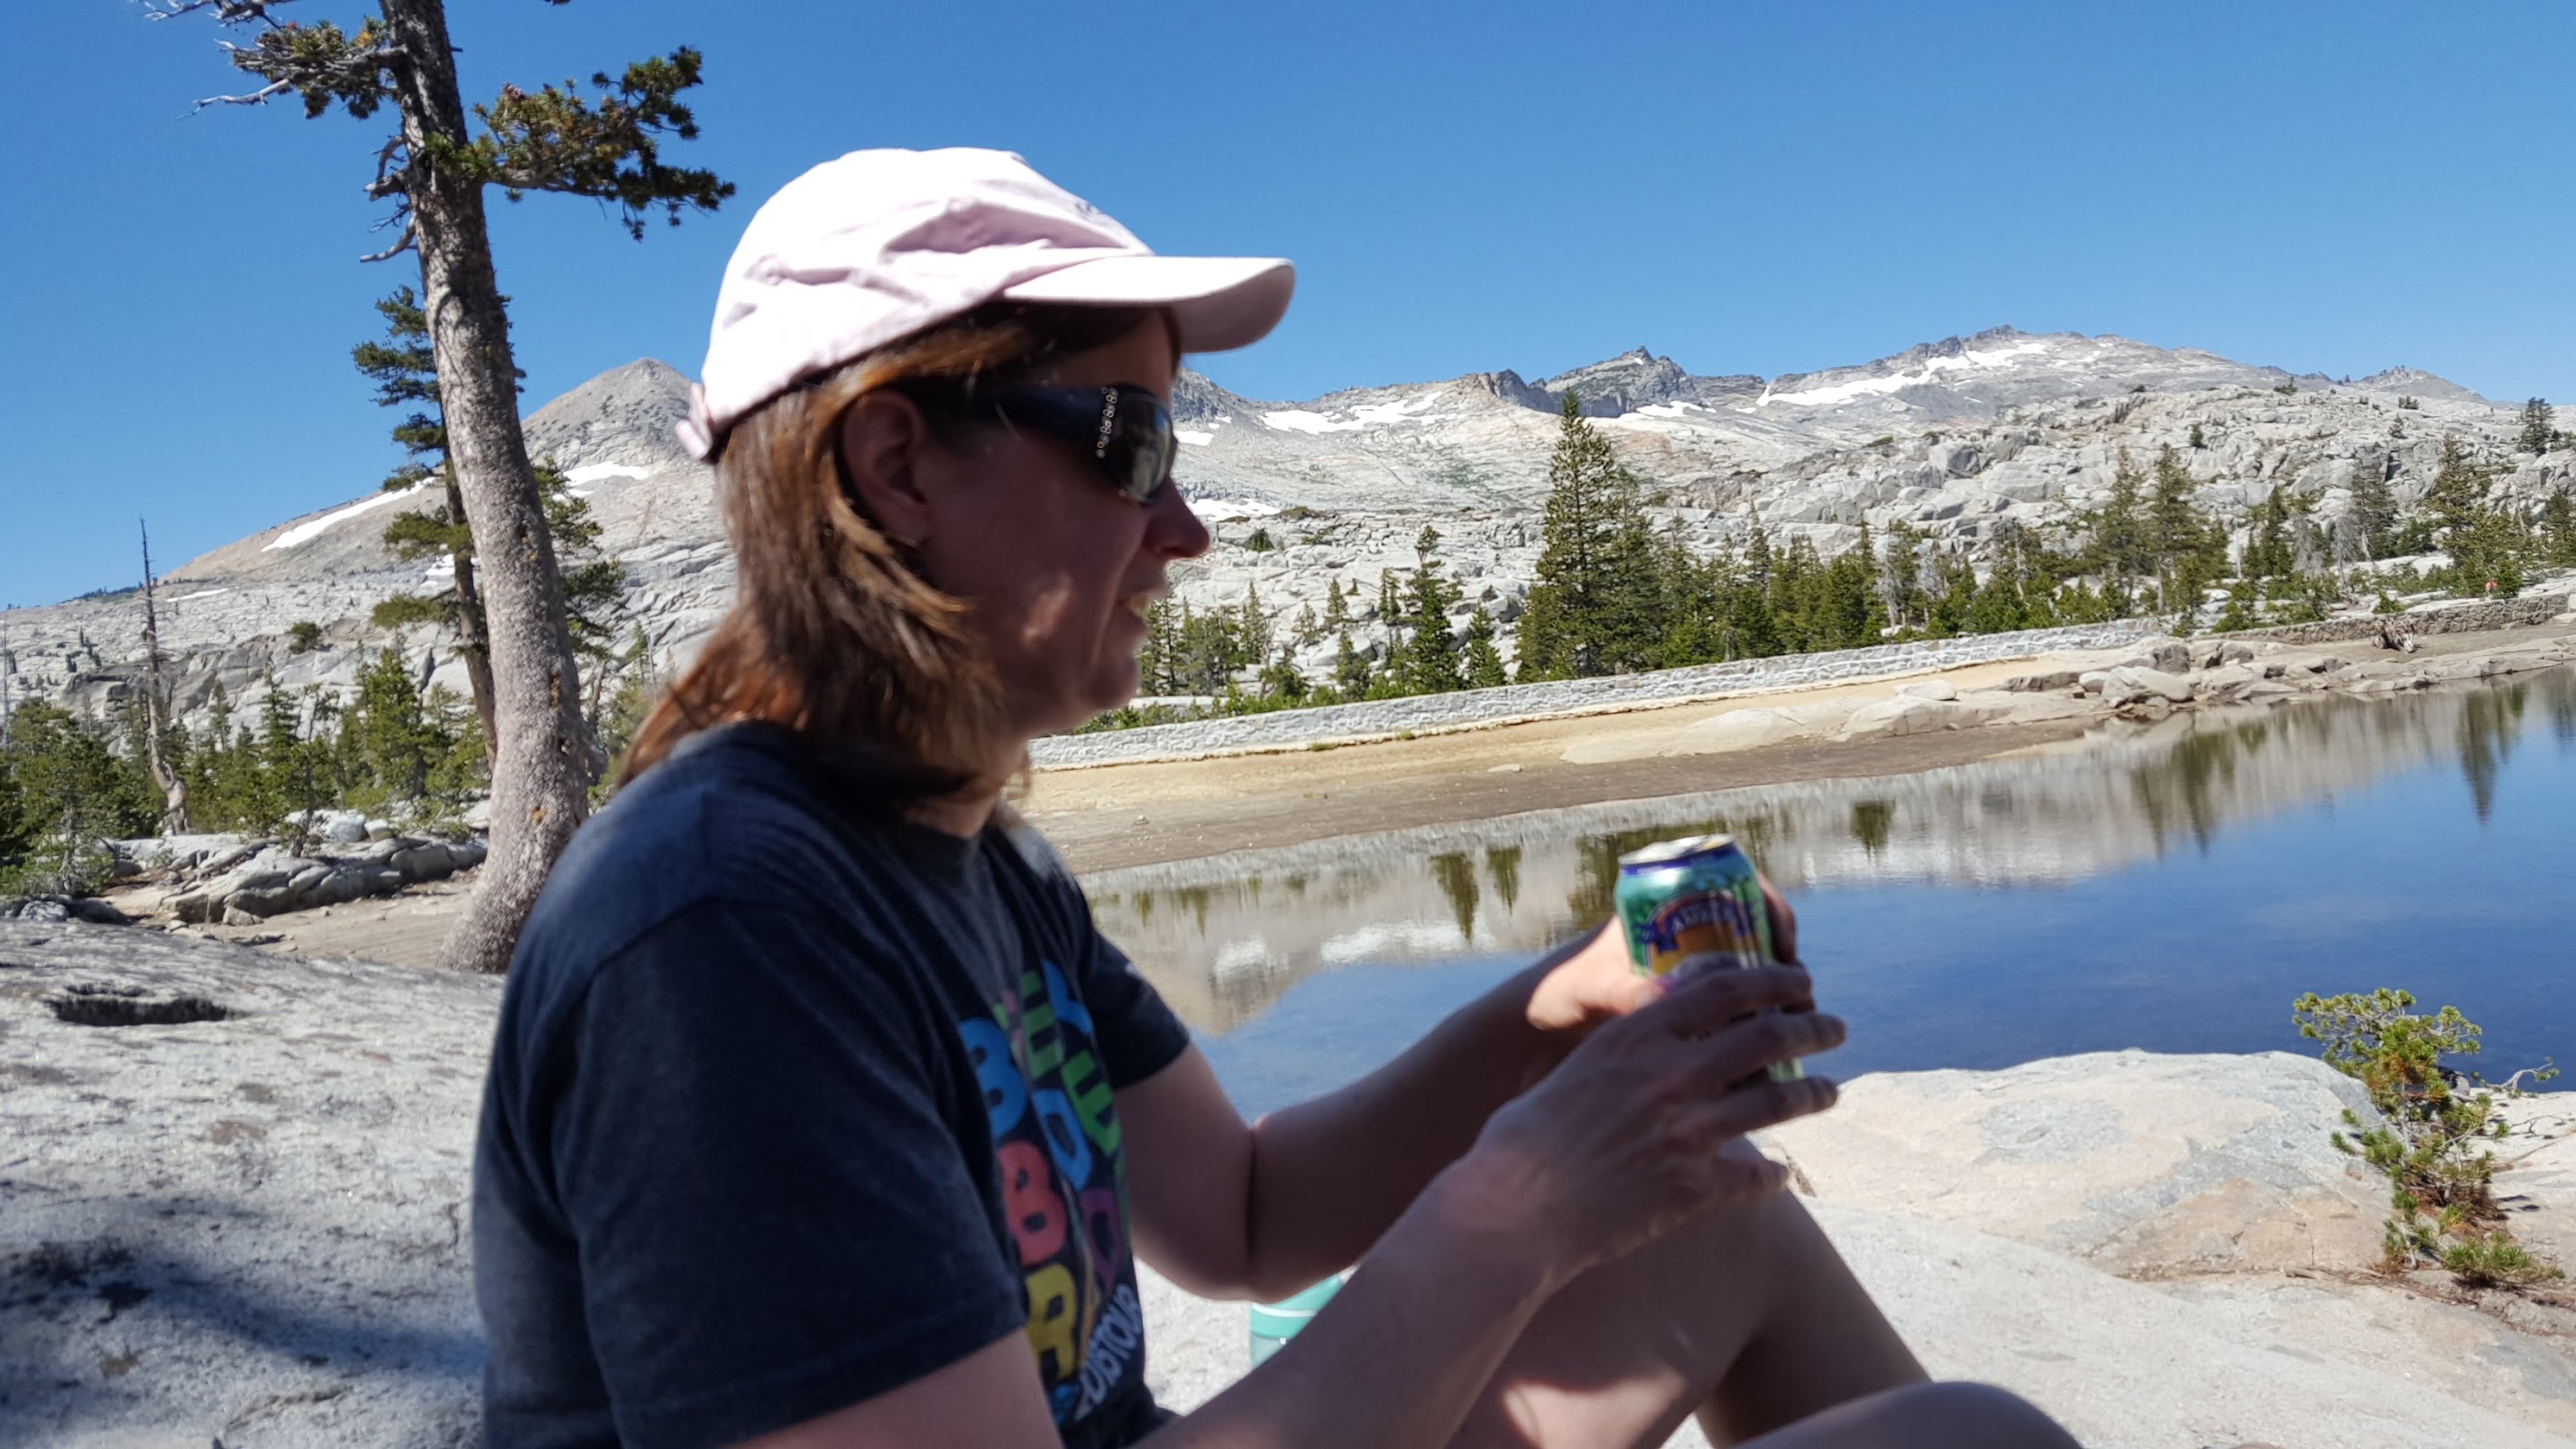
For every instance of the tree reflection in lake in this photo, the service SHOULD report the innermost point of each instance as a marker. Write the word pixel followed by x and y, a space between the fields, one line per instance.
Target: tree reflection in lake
pixel 2488 727
pixel 1222 950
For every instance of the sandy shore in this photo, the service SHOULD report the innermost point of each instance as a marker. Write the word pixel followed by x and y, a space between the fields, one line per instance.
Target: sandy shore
pixel 1112 816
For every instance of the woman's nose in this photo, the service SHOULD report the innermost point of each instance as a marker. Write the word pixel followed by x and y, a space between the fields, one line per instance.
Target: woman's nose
pixel 1174 529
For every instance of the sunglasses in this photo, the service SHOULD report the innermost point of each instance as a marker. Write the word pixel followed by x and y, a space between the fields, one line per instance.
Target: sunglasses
pixel 1125 428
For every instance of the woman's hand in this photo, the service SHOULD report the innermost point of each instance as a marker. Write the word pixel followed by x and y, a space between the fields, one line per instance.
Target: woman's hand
pixel 1625 1139
pixel 1599 983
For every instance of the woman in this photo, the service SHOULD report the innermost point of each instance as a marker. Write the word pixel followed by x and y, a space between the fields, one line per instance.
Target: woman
pixel 820 1115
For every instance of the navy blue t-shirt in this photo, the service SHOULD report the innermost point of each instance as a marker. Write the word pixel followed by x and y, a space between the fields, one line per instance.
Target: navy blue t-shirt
pixel 788 1108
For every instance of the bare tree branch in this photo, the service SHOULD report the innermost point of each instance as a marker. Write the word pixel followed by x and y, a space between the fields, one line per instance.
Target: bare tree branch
pixel 391 179
pixel 258 97
pixel 227 12
pixel 410 236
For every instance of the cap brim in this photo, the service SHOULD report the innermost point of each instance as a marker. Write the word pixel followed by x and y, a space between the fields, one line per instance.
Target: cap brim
pixel 1218 303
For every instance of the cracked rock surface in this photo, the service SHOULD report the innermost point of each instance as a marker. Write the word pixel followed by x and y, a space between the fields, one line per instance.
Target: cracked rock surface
pixel 233 1194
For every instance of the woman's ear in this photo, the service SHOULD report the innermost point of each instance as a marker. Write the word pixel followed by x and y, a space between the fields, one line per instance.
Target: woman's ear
pixel 883 439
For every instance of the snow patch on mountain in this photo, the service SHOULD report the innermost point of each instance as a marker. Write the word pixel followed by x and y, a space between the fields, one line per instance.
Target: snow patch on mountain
pixel 1931 368
pixel 1415 409
pixel 314 528
pixel 601 472
pixel 1962 439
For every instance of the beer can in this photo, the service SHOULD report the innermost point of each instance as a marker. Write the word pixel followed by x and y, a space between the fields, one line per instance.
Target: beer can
pixel 1694 905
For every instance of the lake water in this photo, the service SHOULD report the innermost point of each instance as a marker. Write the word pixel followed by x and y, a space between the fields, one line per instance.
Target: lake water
pixel 2171 887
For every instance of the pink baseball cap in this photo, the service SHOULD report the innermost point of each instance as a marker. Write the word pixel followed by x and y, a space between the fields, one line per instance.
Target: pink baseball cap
pixel 880 244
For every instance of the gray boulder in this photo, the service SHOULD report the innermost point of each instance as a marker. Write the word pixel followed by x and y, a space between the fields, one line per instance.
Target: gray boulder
pixel 2132 1161
pixel 2127 685
pixel 268 884
pixel 47 908
pixel 2221 655
pixel 426 861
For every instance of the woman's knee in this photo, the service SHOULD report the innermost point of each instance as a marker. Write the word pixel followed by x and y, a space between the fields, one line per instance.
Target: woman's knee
pixel 1950 1415
pixel 1969 1416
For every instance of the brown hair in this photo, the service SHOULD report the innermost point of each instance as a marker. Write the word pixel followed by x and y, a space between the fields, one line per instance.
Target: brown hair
pixel 833 634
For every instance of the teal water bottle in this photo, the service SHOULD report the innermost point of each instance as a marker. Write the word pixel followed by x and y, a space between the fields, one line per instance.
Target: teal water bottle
pixel 1275 1323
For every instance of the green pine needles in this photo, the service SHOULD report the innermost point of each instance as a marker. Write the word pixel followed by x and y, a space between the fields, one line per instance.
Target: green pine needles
pixel 1592 608
pixel 2432 1140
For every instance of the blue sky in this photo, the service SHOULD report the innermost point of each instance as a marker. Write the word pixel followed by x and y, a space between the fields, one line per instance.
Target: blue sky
pixel 1776 188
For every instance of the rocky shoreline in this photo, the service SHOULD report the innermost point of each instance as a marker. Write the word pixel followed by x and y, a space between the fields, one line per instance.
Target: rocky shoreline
pixel 234 1204
pixel 2131 641
pixel 1202 803
pixel 1199 804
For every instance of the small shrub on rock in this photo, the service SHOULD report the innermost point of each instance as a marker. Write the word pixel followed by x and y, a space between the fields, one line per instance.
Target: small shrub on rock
pixel 2431 1139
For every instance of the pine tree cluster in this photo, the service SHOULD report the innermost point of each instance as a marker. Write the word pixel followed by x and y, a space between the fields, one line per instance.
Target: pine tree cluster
pixel 1612 595
pixel 397 745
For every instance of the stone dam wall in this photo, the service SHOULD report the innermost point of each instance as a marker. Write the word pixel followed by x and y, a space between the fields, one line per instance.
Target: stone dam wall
pixel 1292 727
pixel 2502 614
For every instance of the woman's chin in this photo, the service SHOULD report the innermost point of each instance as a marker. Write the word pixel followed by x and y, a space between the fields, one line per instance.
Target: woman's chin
pixel 1117 687
pixel 1109 689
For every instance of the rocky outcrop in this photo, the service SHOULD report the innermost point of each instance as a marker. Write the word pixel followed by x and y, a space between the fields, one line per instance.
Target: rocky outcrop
pixel 1961 439
pixel 271 881
pixel 49 908
pixel 234 1212
pixel 234 1205
pixel 2136 1163
pixel 2162 1251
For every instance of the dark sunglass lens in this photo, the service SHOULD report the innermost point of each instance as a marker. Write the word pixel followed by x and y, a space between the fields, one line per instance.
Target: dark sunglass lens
pixel 1143 458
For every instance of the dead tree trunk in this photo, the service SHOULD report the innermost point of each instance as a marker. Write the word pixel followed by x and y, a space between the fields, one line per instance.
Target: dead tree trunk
pixel 156 706
pixel 540 773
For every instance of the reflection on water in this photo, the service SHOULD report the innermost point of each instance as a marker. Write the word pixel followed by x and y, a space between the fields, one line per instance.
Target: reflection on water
pixel 1225 936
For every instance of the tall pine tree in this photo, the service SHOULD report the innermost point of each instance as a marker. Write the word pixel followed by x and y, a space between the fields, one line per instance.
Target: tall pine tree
pixel 2374 507
pixel 2190 550
pixel 2539 430
pixel 2122 550
pixel 1429 662
pixel 434 168
pixel 1483 662
pixel 406 374
pixel 1899 570
pixel 2457 493
pixel 1591 608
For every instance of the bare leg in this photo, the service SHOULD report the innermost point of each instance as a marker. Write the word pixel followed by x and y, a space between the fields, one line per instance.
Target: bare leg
pixel 1746 1316
pixel 1925 1416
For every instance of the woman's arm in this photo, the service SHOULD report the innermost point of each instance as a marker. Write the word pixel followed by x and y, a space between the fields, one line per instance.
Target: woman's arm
pixel 1399 1362
pixel 1609 1154
pixel 1226 1210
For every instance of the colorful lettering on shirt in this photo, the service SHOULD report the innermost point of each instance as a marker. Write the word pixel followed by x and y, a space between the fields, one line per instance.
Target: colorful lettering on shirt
pixel 1056 1148
pixel 1006 1091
